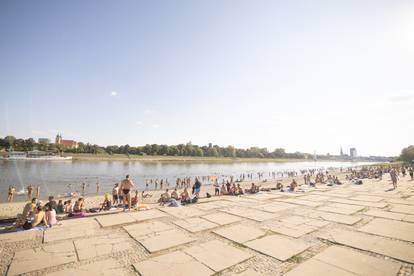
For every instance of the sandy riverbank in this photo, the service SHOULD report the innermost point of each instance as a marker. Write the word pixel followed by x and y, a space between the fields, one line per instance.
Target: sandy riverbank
pixel 10 210
pixel 151 158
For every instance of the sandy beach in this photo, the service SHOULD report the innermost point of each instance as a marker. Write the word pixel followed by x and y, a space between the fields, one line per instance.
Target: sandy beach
pixel 10 210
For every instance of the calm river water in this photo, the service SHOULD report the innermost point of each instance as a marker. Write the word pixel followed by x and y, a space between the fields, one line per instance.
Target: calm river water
pixel 59 177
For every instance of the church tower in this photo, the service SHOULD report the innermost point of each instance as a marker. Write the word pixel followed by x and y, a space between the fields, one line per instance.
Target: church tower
pixel 58 139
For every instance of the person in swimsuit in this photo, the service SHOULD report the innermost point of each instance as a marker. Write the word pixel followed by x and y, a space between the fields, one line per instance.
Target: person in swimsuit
pixel 29 191
pixel 10 194
pixel 125 189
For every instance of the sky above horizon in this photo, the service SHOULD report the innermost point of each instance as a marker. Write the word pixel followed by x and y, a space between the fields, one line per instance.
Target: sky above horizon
pixel 301 75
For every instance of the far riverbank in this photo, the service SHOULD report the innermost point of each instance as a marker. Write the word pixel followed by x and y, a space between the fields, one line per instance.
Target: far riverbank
pixel 156 158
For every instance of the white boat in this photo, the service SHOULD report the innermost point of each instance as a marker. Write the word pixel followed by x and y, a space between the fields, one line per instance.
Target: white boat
pixel 34 155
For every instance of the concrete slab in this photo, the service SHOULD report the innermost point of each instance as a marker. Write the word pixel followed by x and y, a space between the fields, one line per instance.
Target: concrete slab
pixel 312 197
pixel 263 196
pixel 31 260
pixel 194 225
pixel 367 198
pixel 300 201
pixel 275 207
pixel 405 209
pixel 314 267
pixel 277 246
pixel 390 215
pixel 357 202
pixel 61 232
pixel 141 230
pixel 344 219
pixel 221 218
pixel 19 236
pixel 108 267
pixel 173 264
pixel 102 245
pixel 211 205
pixel 338 194
pixel 115 220
pixel 217 255
pixel 295 226
pixel 240 233
pixel 339 208
pixel 392 248
pixel 341 261
pixel 147 214
pixel 401 201
pixel 252 214
pixel 182 211
pixel 165 240
pixel 390 228
pixel 78 221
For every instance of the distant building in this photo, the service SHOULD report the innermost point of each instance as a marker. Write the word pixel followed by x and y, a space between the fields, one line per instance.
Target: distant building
pixel 67 143
pixel 341 153
pixel 353 152
pixel 44 141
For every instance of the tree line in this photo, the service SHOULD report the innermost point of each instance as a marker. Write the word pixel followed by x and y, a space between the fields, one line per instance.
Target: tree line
pixel 407 154
pixel 188 149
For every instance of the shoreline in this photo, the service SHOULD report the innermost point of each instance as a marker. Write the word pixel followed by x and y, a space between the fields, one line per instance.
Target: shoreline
pixel 10 210
pixel 158 158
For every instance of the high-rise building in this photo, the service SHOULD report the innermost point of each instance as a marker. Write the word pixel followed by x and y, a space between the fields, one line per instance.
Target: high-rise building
pixel 341 153
pixel 353 152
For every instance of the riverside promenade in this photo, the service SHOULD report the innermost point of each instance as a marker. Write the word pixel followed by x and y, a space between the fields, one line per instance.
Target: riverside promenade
pixel 340 230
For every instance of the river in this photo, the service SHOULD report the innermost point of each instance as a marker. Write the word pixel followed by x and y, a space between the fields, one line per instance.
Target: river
pixel 59 177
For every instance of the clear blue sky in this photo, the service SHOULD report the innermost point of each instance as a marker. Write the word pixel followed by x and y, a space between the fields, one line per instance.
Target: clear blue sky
pixel 302 75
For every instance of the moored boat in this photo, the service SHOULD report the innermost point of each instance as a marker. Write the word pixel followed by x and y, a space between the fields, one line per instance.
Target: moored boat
pixel 34 155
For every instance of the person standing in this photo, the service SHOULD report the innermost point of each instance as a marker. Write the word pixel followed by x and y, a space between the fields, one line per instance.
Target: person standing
pixel 38 191
pixel 197 187
pixel 29 191
pixel 411 172
pixel 115 192
pixel 83 189
pixel 10 193
pixel 97 187
pixel 394 178
pixel 216 188
pixel 125 189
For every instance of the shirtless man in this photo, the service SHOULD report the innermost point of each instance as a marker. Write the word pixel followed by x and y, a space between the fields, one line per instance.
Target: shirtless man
pixel 125 189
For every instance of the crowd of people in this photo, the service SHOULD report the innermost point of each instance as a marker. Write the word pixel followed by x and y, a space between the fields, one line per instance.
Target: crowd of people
pixel 36 214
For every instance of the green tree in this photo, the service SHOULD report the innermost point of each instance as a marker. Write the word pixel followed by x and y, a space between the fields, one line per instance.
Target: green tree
pixel 213 152
pixel 230 151
pixel 172 150
pixel 9 141
pixel 29 144
pixel 407 154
